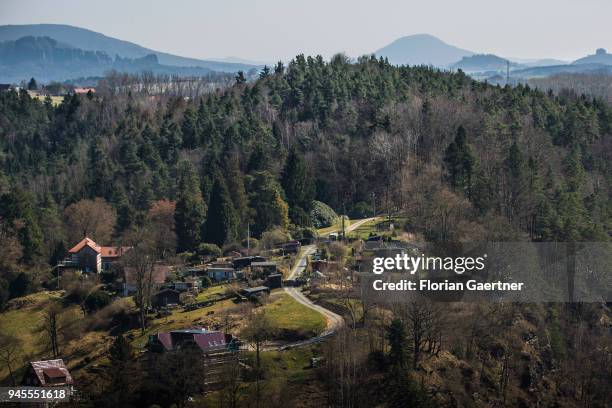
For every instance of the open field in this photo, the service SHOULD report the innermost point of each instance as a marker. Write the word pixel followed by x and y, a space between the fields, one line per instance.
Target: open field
pixel 55 100
pixel 336 227
pixel 25 322
pixel 370 227
pixel 288 314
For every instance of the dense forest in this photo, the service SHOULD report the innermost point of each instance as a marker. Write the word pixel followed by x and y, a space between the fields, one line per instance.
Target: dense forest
pixel 459 159
pixel 462 159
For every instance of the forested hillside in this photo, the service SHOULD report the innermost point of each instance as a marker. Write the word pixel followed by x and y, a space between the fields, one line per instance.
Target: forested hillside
pixel 463 160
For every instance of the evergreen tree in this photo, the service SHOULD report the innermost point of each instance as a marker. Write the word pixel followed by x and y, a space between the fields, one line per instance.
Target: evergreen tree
pixel 17 210
pixel 32 85
pixel 460 162
pixel 120 352
pixel 258 160
pixel 171 140
pixel 265 72
pixel 190 209
pixel 221 222
pixel 190 128
pixel 236 187
pixel 240 78
pixel 298 187
pixel 270 210
pixel 402 389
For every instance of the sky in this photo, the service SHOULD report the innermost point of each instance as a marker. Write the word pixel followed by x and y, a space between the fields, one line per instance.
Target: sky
pixel 269 30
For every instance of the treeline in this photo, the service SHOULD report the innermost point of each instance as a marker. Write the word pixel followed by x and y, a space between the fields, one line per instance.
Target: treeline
pixel 465 160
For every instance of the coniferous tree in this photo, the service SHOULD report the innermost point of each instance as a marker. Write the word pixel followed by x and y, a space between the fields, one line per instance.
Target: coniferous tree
pixel 298 187
pixel 236 187
pixel 270 210
pixel 221 222
pixel 265 72
pixel 402 389
pixel 17 209
pixel 460 162
pixel 190 129
pixel 32 85
pixel 240 78
pixel 190 209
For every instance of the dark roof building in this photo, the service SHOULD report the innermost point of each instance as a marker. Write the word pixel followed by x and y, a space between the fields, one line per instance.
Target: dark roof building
pixel 208 341
pixel 256 291
pixel 166 297
pixel 47 373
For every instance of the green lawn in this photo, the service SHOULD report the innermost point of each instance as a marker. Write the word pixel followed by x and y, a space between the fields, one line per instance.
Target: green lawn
pixel 24 322
pixel 287 313
pixel 212 292
pixel 179 320
pixel 336 227
pixel 364 230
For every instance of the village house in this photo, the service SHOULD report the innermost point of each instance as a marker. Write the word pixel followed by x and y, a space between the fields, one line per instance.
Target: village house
pixel 189 285
pixel 275 281
pixel 166 297
pixel 88 256
pixel 47 373
pixel 251 293
pixel 159 276
pixel 208 341
pixel 290 247
pixel 217 274
pixel 263 269
pixel 84 91
pixel 245 262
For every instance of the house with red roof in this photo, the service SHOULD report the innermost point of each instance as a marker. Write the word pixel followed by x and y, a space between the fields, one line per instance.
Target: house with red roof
pixel 208 341
pixel 88 256
pixel 84 91
pixel 47 373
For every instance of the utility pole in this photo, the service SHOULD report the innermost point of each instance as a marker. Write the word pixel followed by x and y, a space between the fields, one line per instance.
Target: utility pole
pixel 248 239
pixel 343 217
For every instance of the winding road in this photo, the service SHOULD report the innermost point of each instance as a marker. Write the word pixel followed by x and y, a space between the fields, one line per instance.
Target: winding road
pixel 334 321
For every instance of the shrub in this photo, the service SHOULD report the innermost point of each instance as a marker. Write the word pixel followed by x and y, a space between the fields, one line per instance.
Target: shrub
pixel 273 237
pixel 253 242
pixel 322 215
pixel 206 282
pixel 97 300
pixel 209 250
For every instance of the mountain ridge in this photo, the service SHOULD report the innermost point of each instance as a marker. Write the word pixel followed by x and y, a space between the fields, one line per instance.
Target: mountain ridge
pixel 422 49
pixel 90 40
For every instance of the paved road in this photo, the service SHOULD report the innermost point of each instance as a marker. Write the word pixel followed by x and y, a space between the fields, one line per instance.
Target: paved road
pixel 334 321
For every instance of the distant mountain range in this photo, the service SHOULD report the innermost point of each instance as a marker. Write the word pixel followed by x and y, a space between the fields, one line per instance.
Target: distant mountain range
pixel 483 62
pixel 75 46
pixel 422 49
pixel 601 56
pixel 55 52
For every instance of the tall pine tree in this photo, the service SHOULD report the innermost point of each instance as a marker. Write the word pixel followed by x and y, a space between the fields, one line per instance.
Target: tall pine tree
pixel 221 221
pixel 190 209
pixel 298 186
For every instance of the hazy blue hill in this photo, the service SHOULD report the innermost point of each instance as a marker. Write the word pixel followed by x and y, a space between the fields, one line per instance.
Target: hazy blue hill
pixel 601 56
pixel 483 62
pixel 540 72
pixel 541 62
pixel 93 41
pixel 422 49
pixel 46 59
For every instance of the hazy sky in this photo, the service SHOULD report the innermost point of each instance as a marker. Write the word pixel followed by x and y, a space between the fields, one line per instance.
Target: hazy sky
pixel 267 30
